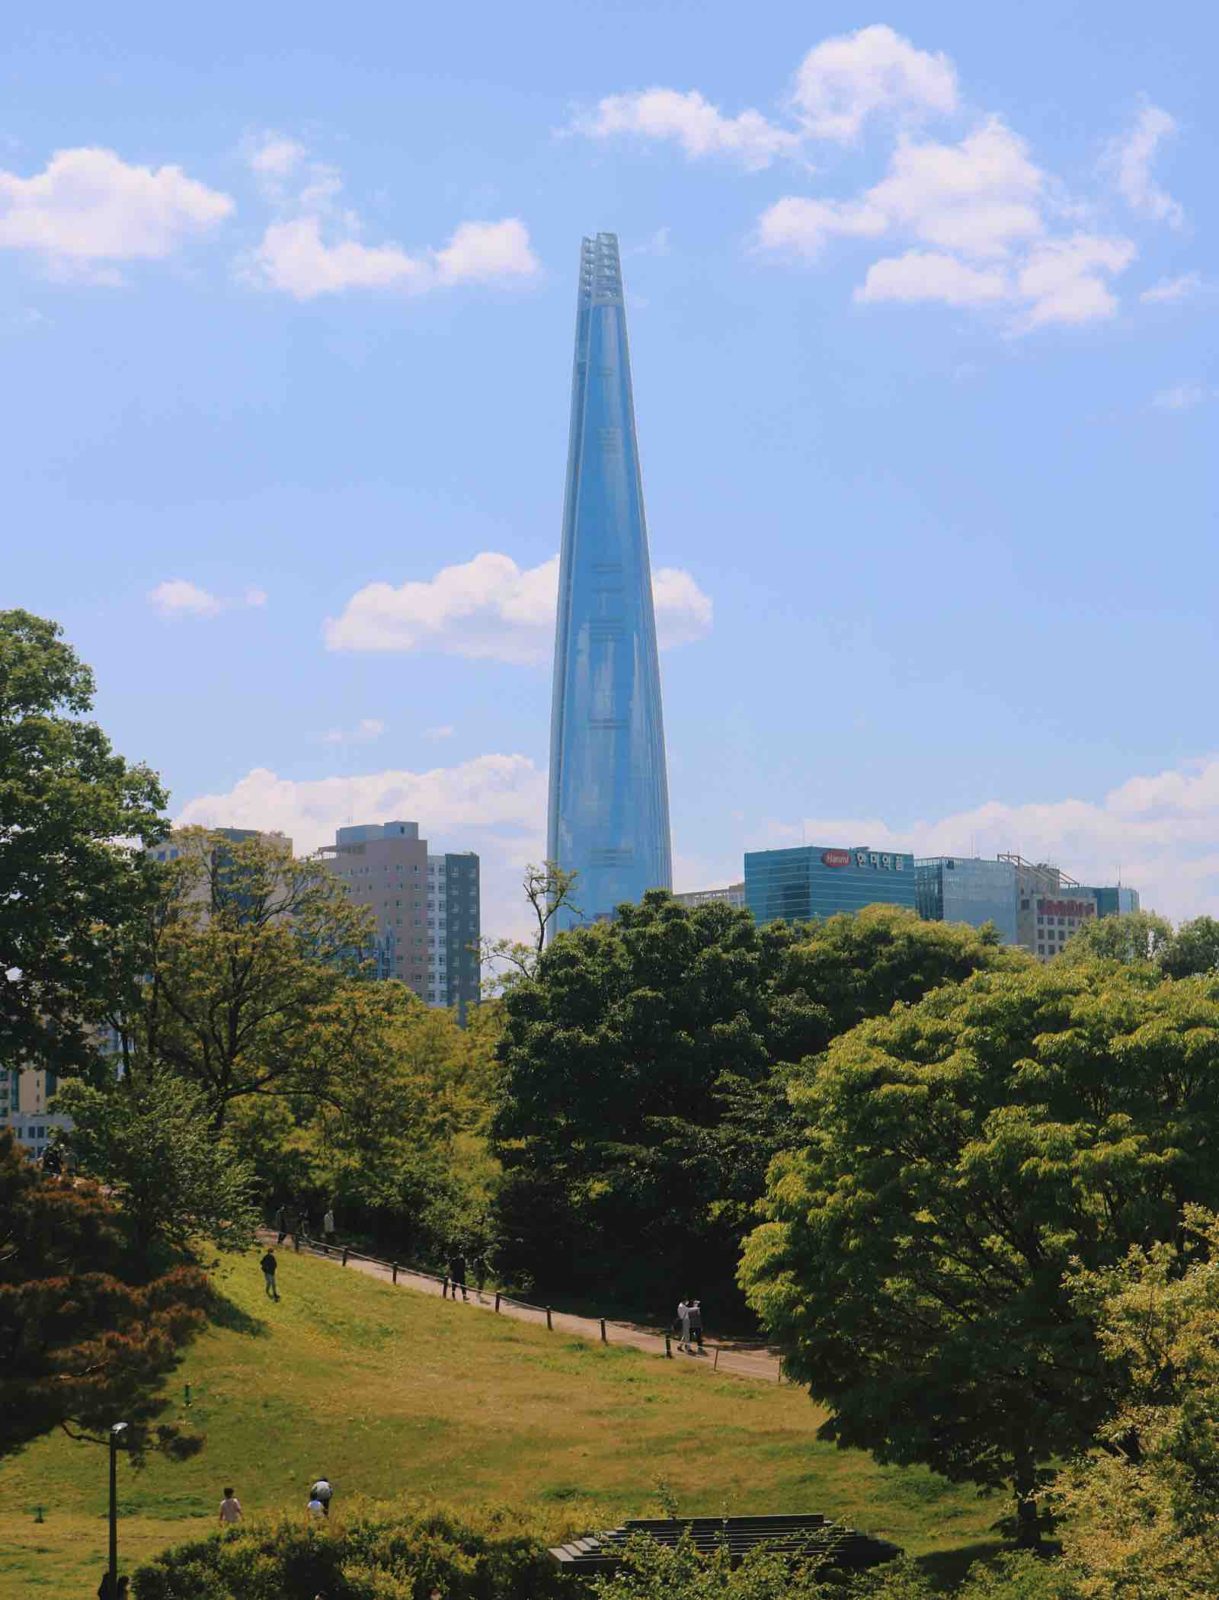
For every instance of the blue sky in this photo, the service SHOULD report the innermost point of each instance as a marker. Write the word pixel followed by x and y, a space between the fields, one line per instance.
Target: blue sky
pixel 922 305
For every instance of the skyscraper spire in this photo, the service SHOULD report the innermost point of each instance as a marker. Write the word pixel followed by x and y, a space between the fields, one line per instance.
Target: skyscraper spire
pixel 609 795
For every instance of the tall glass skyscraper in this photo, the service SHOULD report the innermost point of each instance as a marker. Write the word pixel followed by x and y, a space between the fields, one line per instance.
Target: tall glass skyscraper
pixel 609 795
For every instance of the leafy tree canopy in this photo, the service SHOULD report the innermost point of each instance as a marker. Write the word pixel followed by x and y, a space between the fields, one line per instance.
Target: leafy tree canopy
pixel 644 1080
pixel 86 1336
pixel 1141 936
pixel 230 971
pixel 74 817
pixel 954 1157
pixel 149 1139
pixel 1142 1509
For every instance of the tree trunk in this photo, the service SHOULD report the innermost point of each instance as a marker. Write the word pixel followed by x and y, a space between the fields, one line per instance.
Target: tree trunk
pixel 1028 1522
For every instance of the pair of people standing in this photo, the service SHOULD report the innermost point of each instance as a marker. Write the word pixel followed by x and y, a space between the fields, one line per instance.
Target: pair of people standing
pixel 319 1498
pixel 690 1321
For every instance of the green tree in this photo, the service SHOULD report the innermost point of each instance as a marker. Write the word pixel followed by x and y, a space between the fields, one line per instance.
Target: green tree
pixel 1141 936
pixel 86 1335
pixel 74 817
pixel 1142 1508
pixel 1192 950
pixel 152 1143
pixel 230 970
pixel 954 1157
pixel 645 1065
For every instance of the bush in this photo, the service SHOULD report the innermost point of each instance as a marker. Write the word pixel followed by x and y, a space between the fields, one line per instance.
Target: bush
pixel 378 1554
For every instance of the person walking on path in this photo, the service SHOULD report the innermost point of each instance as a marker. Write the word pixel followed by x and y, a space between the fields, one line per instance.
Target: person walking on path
pixel 696 1324
pixel 457 1274
pixel 479 1268
pixel 280 1224
pixel 321 1492
pixel 230 1509
pixel 269 1267
pixel 683 1318
pixel 328 1227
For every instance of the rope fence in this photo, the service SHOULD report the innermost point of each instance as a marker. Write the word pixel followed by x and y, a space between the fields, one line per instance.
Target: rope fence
pixel 749 1360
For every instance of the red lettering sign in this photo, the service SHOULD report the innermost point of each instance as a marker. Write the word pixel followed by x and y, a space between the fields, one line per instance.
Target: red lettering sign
pixel 835 858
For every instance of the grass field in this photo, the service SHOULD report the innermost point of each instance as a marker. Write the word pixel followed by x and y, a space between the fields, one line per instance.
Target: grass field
pixel 391 1393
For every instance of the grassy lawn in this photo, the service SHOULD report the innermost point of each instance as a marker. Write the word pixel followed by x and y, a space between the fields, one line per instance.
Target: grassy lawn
pixel 392 1393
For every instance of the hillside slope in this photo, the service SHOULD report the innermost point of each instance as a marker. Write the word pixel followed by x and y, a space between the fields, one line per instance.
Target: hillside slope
pixel 392 1393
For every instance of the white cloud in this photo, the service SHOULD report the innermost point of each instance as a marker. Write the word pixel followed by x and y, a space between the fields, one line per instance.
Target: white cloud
pixel 314 246
pixel 179 597
pixel 487 252
pixel 494 804
pixel 445 730
pixel 293 257
pixel 983 203
pixel 1182 398
pixel 1169 290
pixel 491 609
pixel 981 196
pixel 1065 280
pixel 1160 831
pixel 276 156
pixel 929 275
pixel 801 227
pixel 364 732
pixel 89 206
pixel 700 128
pixel 843 81
pixel 1131 158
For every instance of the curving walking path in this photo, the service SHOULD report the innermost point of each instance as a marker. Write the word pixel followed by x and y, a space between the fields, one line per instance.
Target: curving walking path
pixel 743 1360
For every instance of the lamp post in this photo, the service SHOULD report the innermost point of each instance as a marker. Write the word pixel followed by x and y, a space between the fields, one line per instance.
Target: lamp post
pixel 116 1432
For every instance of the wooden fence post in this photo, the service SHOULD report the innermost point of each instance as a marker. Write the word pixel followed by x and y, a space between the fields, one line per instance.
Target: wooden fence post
pixel 604 1340
pixel 668 1347
pixel 344 1255
pixel 549 1320
pixel 716 1362
pixel 444 1289
pixel 497 1299
pixel 394 1269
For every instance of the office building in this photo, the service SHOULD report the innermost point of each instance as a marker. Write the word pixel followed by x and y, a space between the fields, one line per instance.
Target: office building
pixel 733 894
pixel 1033 904
pixel 425 908
pixel 609 804
pixel 819 881
pixel 454 927
pixel 968 889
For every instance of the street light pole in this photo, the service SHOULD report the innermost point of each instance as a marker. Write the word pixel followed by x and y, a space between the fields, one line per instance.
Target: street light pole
pixel 118 1429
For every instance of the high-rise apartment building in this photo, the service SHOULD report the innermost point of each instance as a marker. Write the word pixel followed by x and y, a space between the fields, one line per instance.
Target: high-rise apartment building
pixel 609 799
pixel 425 908
pixel 819 881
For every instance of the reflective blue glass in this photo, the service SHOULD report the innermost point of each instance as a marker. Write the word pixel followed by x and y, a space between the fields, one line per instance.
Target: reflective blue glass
pixel 609 798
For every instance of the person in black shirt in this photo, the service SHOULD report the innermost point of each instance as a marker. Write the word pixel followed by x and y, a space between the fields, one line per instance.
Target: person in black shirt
pixel 457 1274
pixel 269 1267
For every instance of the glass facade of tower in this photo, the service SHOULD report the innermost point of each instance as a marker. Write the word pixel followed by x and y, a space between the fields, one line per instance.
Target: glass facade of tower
pixel 609 800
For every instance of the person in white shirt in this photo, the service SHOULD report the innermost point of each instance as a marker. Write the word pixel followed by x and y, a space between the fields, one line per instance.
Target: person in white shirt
pixel 683 1316
pixel 230 1509
pixel 321 1492
pixel 316 1508
pixel 328 1227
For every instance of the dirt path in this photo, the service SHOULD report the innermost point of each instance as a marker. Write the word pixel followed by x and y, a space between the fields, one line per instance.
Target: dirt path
pixel 746 1361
